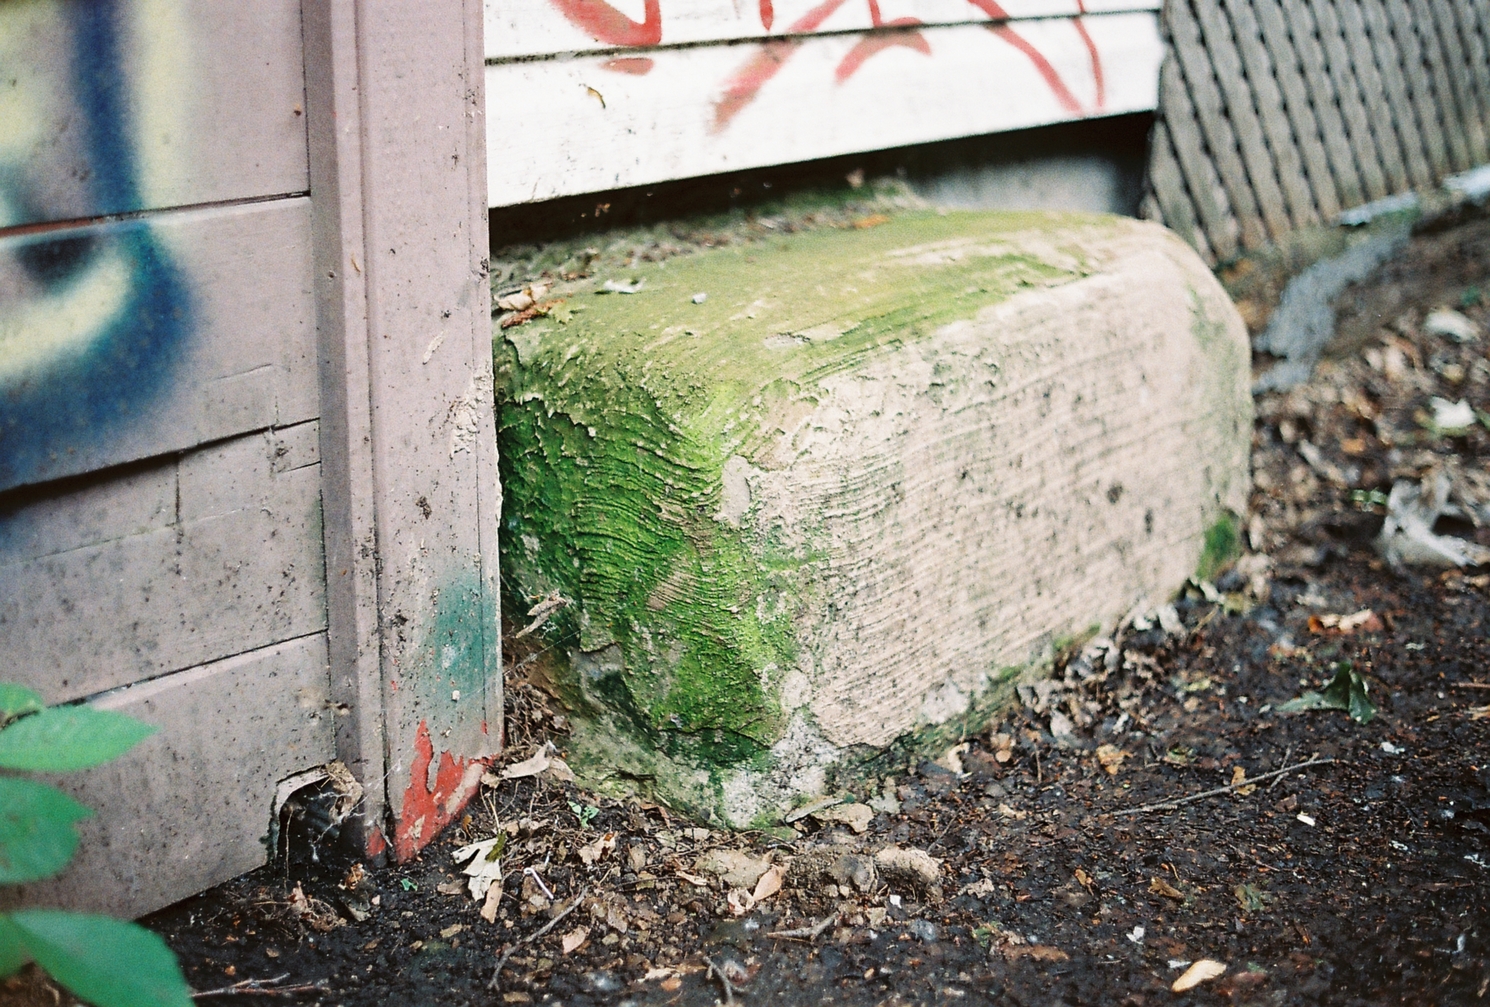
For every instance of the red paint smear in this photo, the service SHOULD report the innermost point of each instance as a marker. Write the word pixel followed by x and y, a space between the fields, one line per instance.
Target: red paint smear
pixel 768 14
pixel 1091 47
pixel 869 45
pixel 425 812
pixel 606 24
pixel 991 8
pixel 1052 79
pixel 376 844
pixel 740 90
pixel 637 66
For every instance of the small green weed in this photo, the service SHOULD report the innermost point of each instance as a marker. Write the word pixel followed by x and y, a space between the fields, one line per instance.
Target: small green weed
pixel 584 812
pixel 107 962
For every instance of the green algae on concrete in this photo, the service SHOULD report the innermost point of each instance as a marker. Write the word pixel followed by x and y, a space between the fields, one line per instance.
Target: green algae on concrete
pixel 638 432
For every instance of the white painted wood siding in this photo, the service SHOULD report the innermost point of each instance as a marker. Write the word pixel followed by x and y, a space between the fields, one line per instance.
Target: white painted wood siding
pixel 585 96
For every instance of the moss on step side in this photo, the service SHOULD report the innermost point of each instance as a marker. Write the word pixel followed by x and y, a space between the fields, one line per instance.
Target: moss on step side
pixel 624 422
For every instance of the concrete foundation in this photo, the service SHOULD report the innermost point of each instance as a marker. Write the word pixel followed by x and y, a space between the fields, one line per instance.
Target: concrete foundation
pixel 821 498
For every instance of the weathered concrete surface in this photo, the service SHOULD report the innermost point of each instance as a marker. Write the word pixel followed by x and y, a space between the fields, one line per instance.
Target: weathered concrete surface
pixel 190 806
pixel 871 479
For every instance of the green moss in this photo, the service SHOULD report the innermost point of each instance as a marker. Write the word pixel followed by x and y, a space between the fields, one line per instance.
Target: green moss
pixel 616 419
pixel 1222 545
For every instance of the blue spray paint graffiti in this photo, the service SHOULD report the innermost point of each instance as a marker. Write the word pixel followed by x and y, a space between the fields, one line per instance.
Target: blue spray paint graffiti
pixel 91 316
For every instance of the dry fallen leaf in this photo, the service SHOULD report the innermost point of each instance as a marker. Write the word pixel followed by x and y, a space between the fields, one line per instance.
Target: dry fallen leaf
pixel 490 903
pixel 531 766
pixel 1202 971
pixel 451 931
pixel 1239 775
pixel 769 884
pixel 671 985
pixel 694 879
pixel 1161 887
pixel 1039 952
pixel 574 938
pixel 1111 758
pixel 598 850
pixel 951 759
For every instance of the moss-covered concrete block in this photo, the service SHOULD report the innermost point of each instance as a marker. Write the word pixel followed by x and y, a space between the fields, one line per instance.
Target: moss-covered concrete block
pixel 838 504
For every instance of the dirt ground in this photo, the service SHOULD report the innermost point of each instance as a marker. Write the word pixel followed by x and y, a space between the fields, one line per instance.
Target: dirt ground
pixel 1047 878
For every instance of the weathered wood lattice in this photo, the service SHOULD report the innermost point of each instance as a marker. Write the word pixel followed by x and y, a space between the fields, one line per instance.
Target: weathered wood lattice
pixel 1279 114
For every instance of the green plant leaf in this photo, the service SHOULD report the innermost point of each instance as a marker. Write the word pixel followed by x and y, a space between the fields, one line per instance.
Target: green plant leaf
pixel 1346 691
pixel 36 834
pixel 107 962
pixel 12 952
pixel 65 738
pixel 17 700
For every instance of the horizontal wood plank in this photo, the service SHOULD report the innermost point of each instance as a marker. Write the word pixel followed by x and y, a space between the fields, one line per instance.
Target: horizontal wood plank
pixel 237 566
pixel 135 338
pixel 526 28
pixel 561 127
pixel 183 103
pixel 189 806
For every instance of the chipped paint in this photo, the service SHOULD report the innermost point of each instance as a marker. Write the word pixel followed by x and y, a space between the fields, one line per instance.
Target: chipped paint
pixel 429 806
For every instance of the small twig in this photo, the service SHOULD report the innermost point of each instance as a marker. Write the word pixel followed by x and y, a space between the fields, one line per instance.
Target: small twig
pixel 502 961
pixel 541 611
pixel 1287 753
pixel 1469 685
pixel 261 987
pixel 811 933
pixel 729 987
pixel 1171 805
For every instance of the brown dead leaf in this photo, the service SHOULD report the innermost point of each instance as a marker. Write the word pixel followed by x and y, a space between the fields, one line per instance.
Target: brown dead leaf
pixel 1202 971
pixel 1039 952
pixel 671 984
pixel 489 905
pixel 1239 775
pixel 1365 619
pixel 451 887
pixel 1161 887
pixel 873 220
pixel 1111 758
pixel 598 850
pixel 574 938
pixel 1084 879
pixel 769 884
pixel 693 879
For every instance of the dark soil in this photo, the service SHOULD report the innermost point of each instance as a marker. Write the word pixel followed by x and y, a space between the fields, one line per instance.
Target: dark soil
pixel 1362 880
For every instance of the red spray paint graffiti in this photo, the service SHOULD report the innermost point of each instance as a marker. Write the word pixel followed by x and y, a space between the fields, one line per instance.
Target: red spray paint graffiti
pixel 608 24
pixel 427 810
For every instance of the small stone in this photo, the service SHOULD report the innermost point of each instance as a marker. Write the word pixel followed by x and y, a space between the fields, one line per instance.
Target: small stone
pixel 737 868
pixel 855 816
pixel 913 866
pixel 924 930
pixel 853 869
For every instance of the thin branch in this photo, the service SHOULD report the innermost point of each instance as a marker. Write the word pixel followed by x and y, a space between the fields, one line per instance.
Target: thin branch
pixel 729 987
pixel 1469 685
pixel 1171 805
pixel 811 933
pixel 502 961
pixel 262 988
